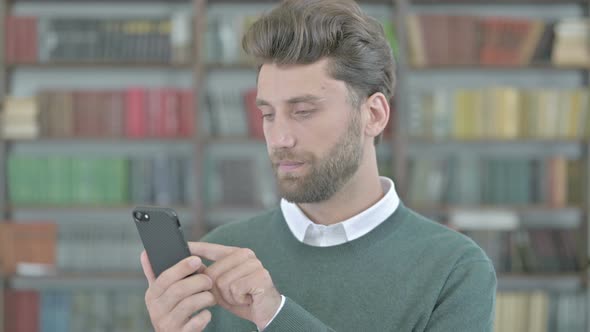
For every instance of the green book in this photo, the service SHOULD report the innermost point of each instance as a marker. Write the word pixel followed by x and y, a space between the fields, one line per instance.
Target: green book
pixel 84 184
pixel 36 181
pixel 16 175
pixel 390 35
pixel 116 179
pixel 58 180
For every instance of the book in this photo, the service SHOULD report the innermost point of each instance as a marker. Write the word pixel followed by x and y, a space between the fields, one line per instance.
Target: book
pixel 23 312
pixel 570 47
pixel 253 115
pixel 31 242
pixel 20 118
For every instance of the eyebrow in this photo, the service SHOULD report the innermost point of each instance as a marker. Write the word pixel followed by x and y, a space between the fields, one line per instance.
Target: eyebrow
pixel 299 99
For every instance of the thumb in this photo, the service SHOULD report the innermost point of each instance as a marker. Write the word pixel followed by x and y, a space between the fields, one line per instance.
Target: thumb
pixel 147 267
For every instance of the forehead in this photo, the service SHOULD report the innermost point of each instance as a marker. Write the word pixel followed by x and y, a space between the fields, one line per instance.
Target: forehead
pixel 278 83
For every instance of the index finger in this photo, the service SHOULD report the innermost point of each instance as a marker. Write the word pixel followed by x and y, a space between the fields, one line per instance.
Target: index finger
pixel 177 272
pixel 210 251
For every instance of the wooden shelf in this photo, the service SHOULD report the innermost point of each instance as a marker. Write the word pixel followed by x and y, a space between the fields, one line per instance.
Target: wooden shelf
pixel 502 148
pixel 527 216
pixel 497 2
pixel 495 67
pixel 101 147
pixel 115 65
pixel 69 281
pixel 102 1
pixel 550 283
pixel 234 140
pixel 90 215
pixel 101 140
pixel 213 2
pixel 220 216
pixel 230 66
pixel 75 281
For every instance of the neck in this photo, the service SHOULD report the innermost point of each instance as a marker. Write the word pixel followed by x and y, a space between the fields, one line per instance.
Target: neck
pixel 362 191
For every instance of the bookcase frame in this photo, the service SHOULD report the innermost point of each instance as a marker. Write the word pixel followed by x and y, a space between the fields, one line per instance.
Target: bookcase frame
pixel 400 145
pixel 195 208
pixel 563 282
pixel 3 89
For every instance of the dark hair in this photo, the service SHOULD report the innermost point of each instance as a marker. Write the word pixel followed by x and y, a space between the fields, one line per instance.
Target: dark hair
pixel 305 31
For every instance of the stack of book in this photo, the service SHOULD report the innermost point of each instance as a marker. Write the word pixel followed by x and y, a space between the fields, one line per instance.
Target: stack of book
pixel 28 248
pixel 20 118
pixel 499 113
pixel 94 310
pixel 469 180
pixel 571 43
pixel 79 40
pixel 136 112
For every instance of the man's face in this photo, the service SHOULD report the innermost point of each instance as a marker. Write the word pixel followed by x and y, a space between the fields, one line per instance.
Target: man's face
pixel 313 134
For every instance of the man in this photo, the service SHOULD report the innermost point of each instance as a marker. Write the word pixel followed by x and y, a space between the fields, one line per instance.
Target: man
pixel 342 253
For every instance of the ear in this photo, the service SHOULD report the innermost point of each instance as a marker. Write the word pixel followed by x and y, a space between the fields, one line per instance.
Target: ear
pixel 377 108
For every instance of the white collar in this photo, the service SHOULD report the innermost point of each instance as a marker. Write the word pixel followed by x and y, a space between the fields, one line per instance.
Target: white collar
pixel 355 226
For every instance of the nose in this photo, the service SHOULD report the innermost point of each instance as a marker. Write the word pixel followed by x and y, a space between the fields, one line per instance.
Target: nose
pixel 279 133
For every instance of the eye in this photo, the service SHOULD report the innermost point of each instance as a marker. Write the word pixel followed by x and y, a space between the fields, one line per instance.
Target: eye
pixel 304 113
pixel 267 116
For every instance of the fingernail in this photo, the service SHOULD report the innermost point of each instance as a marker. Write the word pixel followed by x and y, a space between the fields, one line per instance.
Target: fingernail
pixel 194 262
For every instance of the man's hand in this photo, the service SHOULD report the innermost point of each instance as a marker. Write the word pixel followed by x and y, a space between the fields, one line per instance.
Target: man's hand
pixel 241 285
pixel 173 298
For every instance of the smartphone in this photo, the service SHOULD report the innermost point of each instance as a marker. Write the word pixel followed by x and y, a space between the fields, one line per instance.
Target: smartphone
pixel 161 235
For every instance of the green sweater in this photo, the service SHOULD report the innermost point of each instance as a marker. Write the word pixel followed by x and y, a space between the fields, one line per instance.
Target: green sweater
pixel 408 274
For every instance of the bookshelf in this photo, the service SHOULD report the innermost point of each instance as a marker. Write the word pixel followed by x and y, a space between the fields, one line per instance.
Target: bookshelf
pixel 3 215
pixel 209 147
pixel 92 227
pixel 564 287
pixel 67 282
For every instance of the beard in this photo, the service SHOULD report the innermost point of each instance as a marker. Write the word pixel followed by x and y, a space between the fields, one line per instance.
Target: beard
pixel 328 174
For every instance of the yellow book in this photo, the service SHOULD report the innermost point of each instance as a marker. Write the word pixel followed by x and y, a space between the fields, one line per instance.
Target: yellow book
pixel 416 42
pixel 489 114
pixel 506 119
pixel 538 312
pixel 499 313
pixel 568 126
pixel 459 116
pixel 473 114
pixel 525 130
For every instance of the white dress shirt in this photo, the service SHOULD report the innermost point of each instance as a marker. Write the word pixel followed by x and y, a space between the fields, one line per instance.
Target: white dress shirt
pixel 310 233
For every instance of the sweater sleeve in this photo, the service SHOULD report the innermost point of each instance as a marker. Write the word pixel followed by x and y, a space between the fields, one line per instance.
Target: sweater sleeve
pixel 293 318
pixel 466 301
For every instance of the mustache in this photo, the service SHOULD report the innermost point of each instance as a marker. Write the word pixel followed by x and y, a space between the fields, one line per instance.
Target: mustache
pixel 280 155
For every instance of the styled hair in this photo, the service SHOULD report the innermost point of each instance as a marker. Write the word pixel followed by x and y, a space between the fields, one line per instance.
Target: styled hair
pixel 305 31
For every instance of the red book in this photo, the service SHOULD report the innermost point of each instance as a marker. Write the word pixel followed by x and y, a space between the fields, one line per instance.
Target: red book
pixel 253 114
pixel 10 39
pixel 152 107
pixel 80 110
pixel 30 42
pixel 187 113
pixel 168 113
pixel 22 310
pixel 94 114
pixel 102 113
pixel 33 243
pixel 388 131
pixel 114 108
pixel 135 113
pixel 21 39
pixel 502 40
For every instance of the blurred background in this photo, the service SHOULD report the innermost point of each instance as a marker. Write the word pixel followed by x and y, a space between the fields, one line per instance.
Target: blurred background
pixel 110 104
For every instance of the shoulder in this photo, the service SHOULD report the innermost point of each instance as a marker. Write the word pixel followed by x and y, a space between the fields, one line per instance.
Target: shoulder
pixel 444 243
pixel 240 233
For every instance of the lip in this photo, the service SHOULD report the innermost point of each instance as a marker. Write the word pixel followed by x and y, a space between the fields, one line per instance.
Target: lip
pixel 288 166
